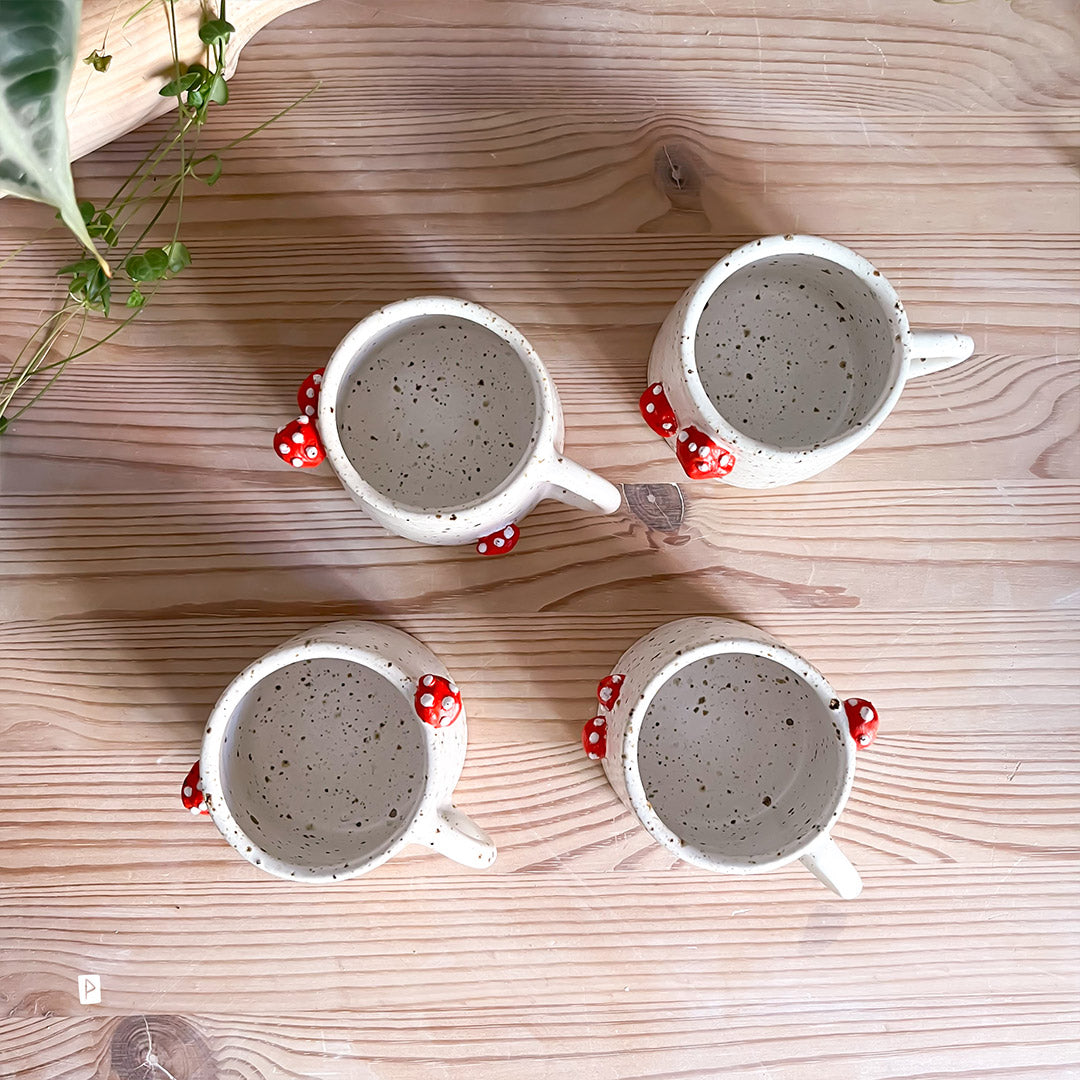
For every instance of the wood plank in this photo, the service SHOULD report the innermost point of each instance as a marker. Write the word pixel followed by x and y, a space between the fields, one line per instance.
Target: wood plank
pixel 914 1040
pixel 1001 415
pixel 813 58
pixel 112 685
pixel 582 173
pixel 256 549
pixel 547 808
pixel 678 937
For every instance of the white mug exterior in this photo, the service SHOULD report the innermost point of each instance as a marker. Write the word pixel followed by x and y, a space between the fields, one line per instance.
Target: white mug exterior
pixel 265 769
pixel 786 449
pixel 659 662
pixel 541 471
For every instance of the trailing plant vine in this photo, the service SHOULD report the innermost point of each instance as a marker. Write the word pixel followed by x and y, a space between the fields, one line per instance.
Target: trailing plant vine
pixel 151 193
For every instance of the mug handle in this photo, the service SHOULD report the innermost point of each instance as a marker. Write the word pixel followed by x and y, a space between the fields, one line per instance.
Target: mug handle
pixel 833 868
pixel 577 486
pixel 937 350
pixel 458 837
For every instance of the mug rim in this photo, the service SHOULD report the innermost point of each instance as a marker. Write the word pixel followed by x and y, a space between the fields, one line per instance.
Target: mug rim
pixel 816 247
pixel 652 822
pixel 216 728
pixel 544 428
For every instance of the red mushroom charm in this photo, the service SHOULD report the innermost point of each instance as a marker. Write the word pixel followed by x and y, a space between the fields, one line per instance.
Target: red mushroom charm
pixel 862 721
pixel 594 737
pixel 499 543
pixel 607 693
pixel 298 443
pixel 657 412
pixel 700 457
pixel 438 701
pixel 191 794
pixel 307 397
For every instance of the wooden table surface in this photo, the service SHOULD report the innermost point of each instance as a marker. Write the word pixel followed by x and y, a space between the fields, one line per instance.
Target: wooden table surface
pixel 574 166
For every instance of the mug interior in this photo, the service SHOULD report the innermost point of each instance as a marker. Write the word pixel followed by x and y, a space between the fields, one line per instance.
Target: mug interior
pixel 323 764
pixel 794 351
pixel 740 758
pixel 437 412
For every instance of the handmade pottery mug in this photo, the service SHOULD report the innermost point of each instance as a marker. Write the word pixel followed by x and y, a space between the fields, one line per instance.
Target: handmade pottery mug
pixel 328 755
pixel 734 753
pixel 781 359
pixel 443 424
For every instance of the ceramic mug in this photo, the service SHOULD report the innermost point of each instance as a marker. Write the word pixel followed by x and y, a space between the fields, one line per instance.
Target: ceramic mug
pixel 443 424
pixel 734 753
pixel 330 754
pixel 781 359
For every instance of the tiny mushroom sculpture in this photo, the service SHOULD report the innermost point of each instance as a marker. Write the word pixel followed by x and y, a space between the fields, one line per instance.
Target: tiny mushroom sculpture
pixel 594 737
pixel 307 397
pixel 862 720
pixel 499 543
pixel 657 411
pixel 298 443
pixel 607 693
pixel 700 457
pixel 438 701
pixel 191 794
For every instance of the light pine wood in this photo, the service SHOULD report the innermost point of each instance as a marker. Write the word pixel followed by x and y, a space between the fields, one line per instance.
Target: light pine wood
pixel 574 166
pixel 103 105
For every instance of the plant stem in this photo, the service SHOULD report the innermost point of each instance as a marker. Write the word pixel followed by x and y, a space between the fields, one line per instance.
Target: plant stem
pixel 59 365
pixel 265 124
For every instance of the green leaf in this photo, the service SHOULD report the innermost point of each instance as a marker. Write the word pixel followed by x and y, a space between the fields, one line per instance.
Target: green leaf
pixel 178 256
pixel 37 55
pixel 95 282
pixel 98 61
pixel 158 261
pixel 219 90
pixel 138 269
pixel 216 30
pixel 135 299
pixel 79 267
pixel 179 86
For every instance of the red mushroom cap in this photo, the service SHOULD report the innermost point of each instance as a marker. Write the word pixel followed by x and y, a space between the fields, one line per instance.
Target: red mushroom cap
pixel 607 692
pixel 499 543
pixel 307 397
pixel 438 701
pixel 191 793
pixel 862 720
pixel 298 443
pixel 657 412
pixel 700 457
pixel 594 737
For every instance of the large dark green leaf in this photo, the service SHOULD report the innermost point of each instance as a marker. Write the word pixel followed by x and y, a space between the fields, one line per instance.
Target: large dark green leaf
pixel 37 54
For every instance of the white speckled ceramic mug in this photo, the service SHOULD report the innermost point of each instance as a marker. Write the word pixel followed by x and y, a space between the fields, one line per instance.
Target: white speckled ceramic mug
pixel 733 752
pixel 443 424
pixel 781 359
pixel 330 754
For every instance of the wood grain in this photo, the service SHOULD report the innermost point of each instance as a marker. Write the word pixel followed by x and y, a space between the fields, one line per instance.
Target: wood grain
pixel 574 166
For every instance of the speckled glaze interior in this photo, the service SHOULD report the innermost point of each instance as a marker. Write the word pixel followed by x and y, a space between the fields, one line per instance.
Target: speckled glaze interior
pixel 741 758
pixel 324 764
pixel 437 412
pixel 794 351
